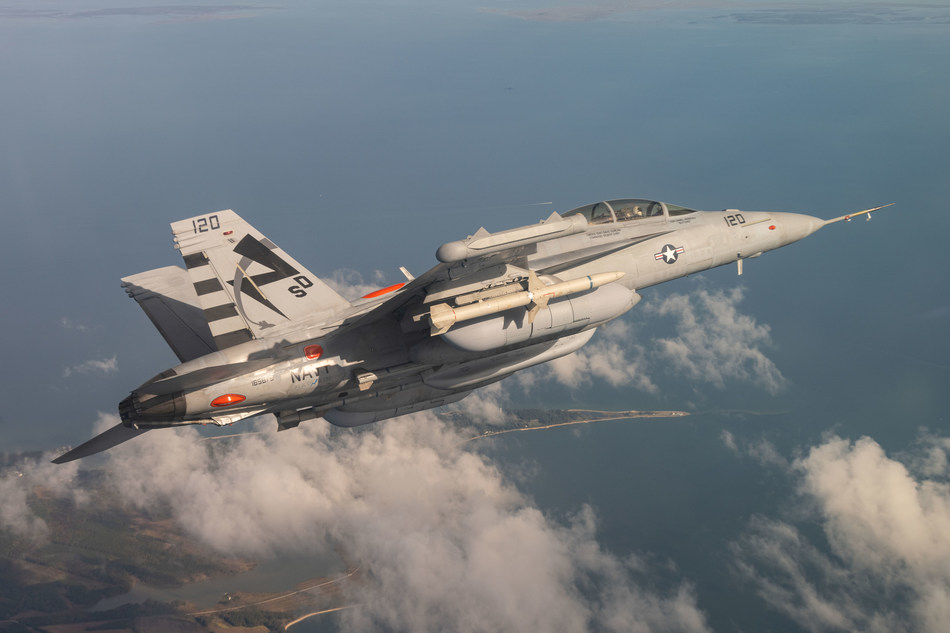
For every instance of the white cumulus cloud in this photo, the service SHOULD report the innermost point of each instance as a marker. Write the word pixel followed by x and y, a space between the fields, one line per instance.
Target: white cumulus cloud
pixel 69 324
pixel 484 405
pixel 885 561
pixel 17 484
pixel 351 285
pixel 614 358
pixel 444 540
pixel 714 341
pixel 104 366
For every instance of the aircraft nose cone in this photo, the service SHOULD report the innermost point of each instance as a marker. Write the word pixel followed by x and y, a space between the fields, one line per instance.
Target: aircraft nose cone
pixel 795 226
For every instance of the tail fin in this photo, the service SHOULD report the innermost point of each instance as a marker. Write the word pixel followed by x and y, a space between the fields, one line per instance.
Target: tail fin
pixel 168 298
pixel 245 283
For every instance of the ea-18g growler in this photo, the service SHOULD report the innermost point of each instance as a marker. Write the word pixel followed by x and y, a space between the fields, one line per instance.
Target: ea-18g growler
pixel 257 333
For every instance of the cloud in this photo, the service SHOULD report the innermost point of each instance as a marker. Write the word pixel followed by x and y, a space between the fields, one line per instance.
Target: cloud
pixel 711 342
pixel 613 358
pixel 929 458
pixel 105 366
pixel 761 450
pixel 878 515
pixel 16 516
pixel 20 481
pixel 68 324
pixel 714 342
pixel 350 284
pixel 729 441
pixel 444 540
pixel 885 561
pixel 484 406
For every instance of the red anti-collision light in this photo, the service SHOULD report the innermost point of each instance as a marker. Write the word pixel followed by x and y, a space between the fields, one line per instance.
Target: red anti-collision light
pixel 772 227
pixel 313 351
pixel 227 400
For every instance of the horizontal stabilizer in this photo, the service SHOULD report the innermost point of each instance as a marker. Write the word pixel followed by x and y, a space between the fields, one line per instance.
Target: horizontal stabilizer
pixel 102 442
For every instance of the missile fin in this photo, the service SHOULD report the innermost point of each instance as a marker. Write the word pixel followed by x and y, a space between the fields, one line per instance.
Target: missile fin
pixel 539 300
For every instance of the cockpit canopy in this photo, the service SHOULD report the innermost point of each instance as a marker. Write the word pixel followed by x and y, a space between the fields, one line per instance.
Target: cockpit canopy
pixel 626 209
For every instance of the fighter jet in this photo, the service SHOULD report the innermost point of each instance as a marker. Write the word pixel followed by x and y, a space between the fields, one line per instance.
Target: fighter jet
pixel 257 333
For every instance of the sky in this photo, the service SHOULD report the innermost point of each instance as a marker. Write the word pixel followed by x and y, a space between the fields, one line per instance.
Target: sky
pixel 361 136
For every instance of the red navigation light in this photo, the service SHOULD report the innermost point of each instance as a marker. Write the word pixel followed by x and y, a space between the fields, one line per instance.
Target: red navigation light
pixel 313 352
pixel 227 400
pixel 386 290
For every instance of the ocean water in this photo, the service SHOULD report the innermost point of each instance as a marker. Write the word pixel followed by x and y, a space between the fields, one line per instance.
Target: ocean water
pixel 665 490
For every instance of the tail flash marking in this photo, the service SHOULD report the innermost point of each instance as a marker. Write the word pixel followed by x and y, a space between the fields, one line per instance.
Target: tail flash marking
pixel 244 282
pixel 227 326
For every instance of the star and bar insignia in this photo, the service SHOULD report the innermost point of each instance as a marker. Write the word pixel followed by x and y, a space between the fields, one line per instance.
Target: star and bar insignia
pixel 669 253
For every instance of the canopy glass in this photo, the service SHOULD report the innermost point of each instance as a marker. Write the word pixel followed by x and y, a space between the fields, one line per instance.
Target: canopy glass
pixel 626 209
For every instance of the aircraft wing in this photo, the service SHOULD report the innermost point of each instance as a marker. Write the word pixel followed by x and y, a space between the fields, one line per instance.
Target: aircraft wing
pixel 488 259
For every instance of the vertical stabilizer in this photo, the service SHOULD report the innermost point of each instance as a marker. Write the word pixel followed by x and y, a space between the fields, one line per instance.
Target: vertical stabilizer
pixel 245 283
pixel 168 298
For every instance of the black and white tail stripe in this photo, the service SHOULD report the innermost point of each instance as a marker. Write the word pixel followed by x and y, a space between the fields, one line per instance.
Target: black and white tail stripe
pixel 227 326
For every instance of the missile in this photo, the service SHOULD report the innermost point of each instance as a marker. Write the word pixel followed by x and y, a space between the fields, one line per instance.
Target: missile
pixel 443 316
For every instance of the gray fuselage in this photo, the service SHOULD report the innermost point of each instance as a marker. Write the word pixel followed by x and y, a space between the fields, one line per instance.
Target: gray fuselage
pixel 398 363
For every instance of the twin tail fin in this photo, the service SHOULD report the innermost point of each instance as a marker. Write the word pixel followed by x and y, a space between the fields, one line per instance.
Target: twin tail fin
pixel 244 283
